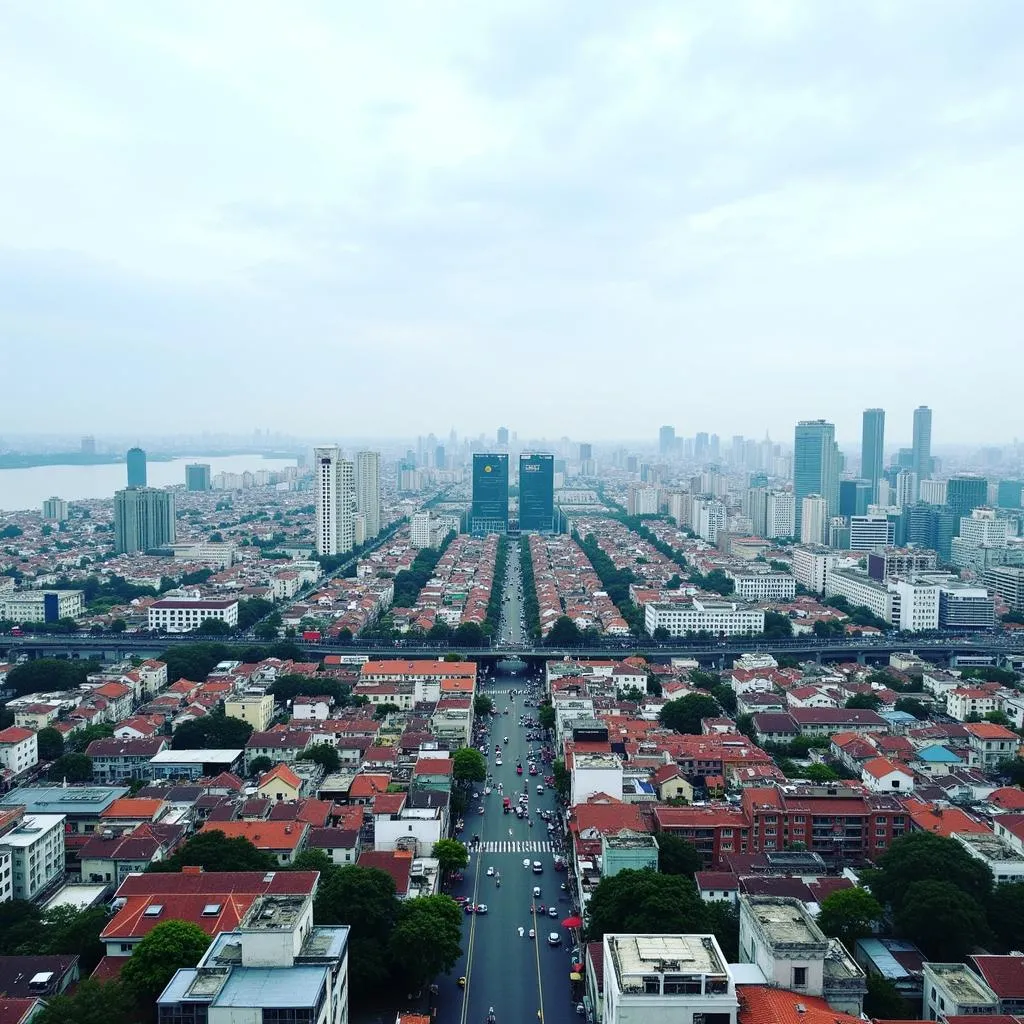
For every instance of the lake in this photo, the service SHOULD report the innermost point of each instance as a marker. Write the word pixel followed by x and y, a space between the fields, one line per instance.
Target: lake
pixel 29 488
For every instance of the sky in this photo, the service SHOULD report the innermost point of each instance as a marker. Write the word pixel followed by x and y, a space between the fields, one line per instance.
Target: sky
pixel 583 219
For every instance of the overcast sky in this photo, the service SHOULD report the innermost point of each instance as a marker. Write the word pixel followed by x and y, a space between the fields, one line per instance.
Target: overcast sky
pixel 587 217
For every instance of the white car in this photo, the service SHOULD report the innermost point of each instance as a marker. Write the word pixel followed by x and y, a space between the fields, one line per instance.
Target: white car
pixel 481 908
pixel 554 939
pixel 490 871
pixel 498 761
pixel 536 891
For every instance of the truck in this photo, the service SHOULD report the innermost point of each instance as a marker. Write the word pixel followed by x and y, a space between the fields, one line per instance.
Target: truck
pixel 313 635
pixel 506 805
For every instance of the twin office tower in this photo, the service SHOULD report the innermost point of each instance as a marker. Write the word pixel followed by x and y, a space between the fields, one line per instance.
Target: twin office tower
pixel 489 510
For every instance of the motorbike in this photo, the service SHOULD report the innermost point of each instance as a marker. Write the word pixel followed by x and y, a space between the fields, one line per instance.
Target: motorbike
pixel 533 933
pixel 462 982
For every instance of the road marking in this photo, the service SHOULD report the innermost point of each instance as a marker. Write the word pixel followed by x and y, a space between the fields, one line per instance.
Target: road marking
pixel 469 951
pixel 518 846
pixel 540 983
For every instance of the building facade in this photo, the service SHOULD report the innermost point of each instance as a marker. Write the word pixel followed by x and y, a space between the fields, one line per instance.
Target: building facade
pixel 872 450
pixel 181 616
pixel 489 508
pixel 55 509
pixel 35 844
pixel 816 460
pixel 197 476
pixel 143 519
pixel 536 492
pixel 725 618
pixel 42 605
pixel 334 484
pixel 368 490
pixel 136 466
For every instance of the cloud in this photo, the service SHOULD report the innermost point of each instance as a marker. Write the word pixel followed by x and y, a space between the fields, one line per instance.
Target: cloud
pixel 581 219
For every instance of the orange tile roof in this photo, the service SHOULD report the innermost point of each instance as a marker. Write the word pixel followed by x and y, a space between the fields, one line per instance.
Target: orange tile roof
pixel 264 835
pixel 990 731
pixel 943 821
pixel 282 772
pixel 132 807
pixel 760 1004
pixel 369 784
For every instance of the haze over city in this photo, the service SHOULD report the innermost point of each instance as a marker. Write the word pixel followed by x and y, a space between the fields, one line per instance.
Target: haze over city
pixel 595 217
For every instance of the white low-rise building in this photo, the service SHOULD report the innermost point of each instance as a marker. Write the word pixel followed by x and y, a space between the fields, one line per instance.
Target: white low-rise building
pixel 726 618
pixel 763 586
pixel 176 616
pixel 41 605
pixel 35 843
pixel 19 749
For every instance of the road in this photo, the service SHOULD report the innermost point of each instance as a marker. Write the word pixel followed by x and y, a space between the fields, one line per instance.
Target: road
pixel 517 976
pixel 510 629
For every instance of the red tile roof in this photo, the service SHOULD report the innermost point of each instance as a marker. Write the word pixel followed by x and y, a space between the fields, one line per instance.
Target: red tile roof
pixel 1003 974
pixel 396 863
pixel 762 1005
pixel 15 734
pixel 264 835
pixel 133 808
pixel 282 772
pixel 14 1011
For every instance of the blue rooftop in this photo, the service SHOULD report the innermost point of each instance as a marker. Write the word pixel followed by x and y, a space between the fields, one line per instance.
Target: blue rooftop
pixel 938 754
pixel 272 987
pixel 897 717
pixel 64 799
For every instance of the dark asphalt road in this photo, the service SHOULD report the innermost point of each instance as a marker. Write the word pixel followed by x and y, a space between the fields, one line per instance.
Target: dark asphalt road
pixel 517 976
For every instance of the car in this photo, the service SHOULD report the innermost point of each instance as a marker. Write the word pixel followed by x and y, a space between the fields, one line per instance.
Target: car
pixel 490 871
pixel 554 939
pixel 536 890
pixel 481 908
pixel 552 911
pixel 538 868
pixel 498 761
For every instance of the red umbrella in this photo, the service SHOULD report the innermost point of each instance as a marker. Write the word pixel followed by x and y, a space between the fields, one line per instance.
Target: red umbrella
pixel 577 967
pixel 573 922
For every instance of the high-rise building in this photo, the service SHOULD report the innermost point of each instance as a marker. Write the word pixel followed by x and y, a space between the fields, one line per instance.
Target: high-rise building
pixel 642 500
pixel 872 450
pixel 55 509
pixel 440 457
pixel 932 491
pixel 701 446
pixel 906 488
pixel 813 519
pixel 755 505
pixel 965 493
pixel 871 533
pixel 368 490
pixel 780 515
pixel 197 476
pixel 536 492
pixel 815 467
pixel 1010 493
pixel 489 510
pixel 335 501
pixel 922 444
pixel 854 497
pixel 143 519
pixel 136 459
pixel 88 445
pixel 503 435
pixel 586 452
pixel 666 440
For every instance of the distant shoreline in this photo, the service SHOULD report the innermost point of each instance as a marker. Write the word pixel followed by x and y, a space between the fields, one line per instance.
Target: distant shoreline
pixel 27 461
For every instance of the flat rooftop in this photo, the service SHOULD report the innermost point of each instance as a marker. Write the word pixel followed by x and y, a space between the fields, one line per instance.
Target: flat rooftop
pixel 273 913
pixel 963 983
pixel 627 840
pixel 785 921
pixel 639 955
pixel 609 761
pixel 64 800
pixel 204 756
pixel 31 828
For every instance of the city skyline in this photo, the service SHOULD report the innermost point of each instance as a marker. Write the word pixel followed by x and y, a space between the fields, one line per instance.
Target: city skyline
pixel 501 204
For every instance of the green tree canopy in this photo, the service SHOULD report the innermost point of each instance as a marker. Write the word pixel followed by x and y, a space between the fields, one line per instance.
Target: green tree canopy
pixel 818 772
pixel 20 922
pixel 73 767
pixel 884 1002
pixel 684 715
pixel 677 856
pixel 849 914
pixel 47 674
pixel 51 744
pixel 93 1002
pixel 212 732
pixel 865 701
pixel 324 754
pixel 1006 914
pixel 482 704
pixel 468 765
pixel 777 626
pixel 922 857
pixel 450 854
pixel 563 780
pixel 645 901
pixel 426 940
pixel 546 716
pixel 943 919
pixel 260 764
pixel 564 633
pixel 214 851
pixel 912 706
pixel 170 946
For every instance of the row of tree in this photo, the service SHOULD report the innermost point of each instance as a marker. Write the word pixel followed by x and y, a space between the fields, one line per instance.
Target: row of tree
pixel 531 607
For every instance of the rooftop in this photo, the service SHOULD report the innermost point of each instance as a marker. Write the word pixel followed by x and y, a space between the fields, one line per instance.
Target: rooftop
pixel 64 800
pixel 784 921
pixel 203 756
pixel 963 983
pixel 634 956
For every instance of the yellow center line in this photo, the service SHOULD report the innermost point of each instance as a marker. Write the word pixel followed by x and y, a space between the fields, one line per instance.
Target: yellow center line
pixel 472 938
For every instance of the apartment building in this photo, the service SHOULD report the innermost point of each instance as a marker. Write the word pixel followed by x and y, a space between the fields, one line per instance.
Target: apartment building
pixel 811 566
pixel 35 845
pixel 763 586
pixel 256 709
pixel 179 616
pixel 724 618
pixel 42 605
pixel 19 749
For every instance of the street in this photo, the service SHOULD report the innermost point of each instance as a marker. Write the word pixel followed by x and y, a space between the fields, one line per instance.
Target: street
pixel 510 627
pixel 516 975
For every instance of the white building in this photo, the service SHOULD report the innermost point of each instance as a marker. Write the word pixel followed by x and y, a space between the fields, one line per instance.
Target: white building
pixel 35 843
pixel 932 492
pixel 780 515
pixel 814 519
pixel 19 749
pixel 368 490
pixel 6 879
pixel 918 605
pixel 335 501
pixel 708 515
pixel 860 589
pixel 595 773
pixel 811 567
pixel 419 530
pixel 642 501
pixel 763 586
pixel 666 979
pixel 224 554
pixel 55 509
pixel 174 616
pixel 719 617
pixel 41 605
pixel 871 533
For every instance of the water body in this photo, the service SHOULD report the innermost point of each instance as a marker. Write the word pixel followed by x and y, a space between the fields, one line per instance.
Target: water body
pixel 29 488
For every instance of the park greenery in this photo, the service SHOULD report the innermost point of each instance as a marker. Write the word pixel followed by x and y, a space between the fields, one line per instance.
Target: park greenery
pixel 215 731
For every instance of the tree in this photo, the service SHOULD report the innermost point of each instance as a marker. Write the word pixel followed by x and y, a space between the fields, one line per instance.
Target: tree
pixel 849 914
pixel 925 856
pixel 724 924
pixel 883 1000
pixel 469 634
pixel 94 1002
pixel 214 851
pixel 324 754
pixel 50 744
pixel 546 716
pixel 564 633
pixel 213 627
pixel 47 674
pixel 439 633
pixel 260 764
pixel 645 901
pixel 468 765
pixel 818 772
pixel 118 626
pixel 170 946
pixel 661 634
pixel 912 706
pixel 1006 914
pixel 265 631
pixel 20 922
pixel 726 696
pixel 482 705
pixel 450 854
pixel 193 661
pixel 865 701
pixel 563 780
pixel 777 626
pixel 381 711
pixel 944 920
pixel 676 856
pixel 212 732
pixel 81 738
pixel 426 939
pixel 685 714
pixel 73 767
pixel 68 930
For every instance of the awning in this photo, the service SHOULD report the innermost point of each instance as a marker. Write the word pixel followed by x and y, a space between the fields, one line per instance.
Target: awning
pixel 575 976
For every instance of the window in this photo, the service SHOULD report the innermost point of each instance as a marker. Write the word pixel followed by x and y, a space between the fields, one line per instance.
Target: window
pixel 799 977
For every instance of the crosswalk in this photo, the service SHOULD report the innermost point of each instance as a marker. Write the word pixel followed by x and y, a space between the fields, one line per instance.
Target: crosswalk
pixel 518 846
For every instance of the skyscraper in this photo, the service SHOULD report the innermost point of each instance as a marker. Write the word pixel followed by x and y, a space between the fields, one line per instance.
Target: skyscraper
pixel 1009 494
pixel 966 493
pixel 701 446
pixel 136 459
pixel 922 444
pixel 197 476
pixel 503 435
pixel 143 519
pixel 815 467
pixel 335 501
pixel 666 440
pixel 854 497
pixel 489 510
pixel 586 451
pixel 872 449
pixel 536 492
pixel 368 490
pixel 813 519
